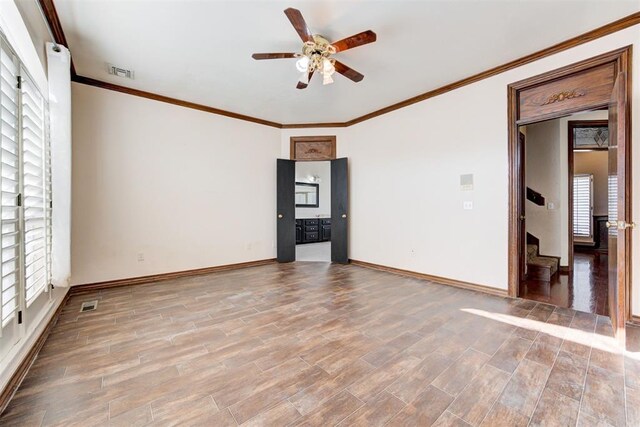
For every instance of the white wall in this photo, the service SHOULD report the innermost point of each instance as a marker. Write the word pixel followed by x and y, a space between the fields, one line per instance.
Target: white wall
pixel 412 158
pixel 322 169
pixel 186 189
pixel 405 184
pixel 545 172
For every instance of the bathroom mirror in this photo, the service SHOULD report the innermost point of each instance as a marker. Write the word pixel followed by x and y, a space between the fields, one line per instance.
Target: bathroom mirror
pixel 307 195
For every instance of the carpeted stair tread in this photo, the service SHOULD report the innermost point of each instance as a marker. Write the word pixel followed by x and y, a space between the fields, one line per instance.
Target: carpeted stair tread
pixel 543 261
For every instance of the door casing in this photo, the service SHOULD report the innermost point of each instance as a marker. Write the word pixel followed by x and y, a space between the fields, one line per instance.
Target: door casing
pixel 522 234
pixel 621 59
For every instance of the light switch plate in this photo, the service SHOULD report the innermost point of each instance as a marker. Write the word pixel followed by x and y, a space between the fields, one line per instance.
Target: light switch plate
pixel 467 205
pixel 551 206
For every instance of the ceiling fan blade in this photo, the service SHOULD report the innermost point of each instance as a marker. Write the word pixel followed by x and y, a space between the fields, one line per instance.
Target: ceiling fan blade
pixel 295 16
pixel 348 72
pixel 273 55
pixel 304 85
pixel 355 41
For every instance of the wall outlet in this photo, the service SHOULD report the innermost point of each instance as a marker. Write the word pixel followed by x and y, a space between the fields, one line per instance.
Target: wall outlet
pixel 140 257
pixel 467 205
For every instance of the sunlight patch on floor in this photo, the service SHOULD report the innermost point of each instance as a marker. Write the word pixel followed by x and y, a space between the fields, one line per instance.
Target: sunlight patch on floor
pixel 578 336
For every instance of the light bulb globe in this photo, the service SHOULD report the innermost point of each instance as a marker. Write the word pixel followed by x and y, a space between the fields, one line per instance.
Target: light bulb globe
pixel 327 67
pixel 302 64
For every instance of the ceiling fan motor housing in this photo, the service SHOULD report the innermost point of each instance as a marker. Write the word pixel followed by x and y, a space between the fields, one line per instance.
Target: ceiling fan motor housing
pixel 317 50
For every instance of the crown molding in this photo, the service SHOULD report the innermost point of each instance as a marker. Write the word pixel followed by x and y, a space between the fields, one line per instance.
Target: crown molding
pixel 605 30
pixel 315 125
pixel 161 98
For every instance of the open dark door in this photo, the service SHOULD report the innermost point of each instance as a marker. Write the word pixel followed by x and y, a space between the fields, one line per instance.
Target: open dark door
pixel 339 214
pixel 619 223
pixel 522 234
pixel 286 210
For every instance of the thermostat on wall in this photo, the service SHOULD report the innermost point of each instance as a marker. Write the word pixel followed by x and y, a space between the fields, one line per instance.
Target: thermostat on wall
pixel 466 182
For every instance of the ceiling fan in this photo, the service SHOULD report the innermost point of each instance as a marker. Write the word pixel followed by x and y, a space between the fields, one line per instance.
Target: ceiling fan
pixel 317 52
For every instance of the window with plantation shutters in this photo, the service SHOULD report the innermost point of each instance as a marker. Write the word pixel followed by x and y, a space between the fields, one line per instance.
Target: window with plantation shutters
pixel 9 169
pixel 34 194
pixel 582 205
pixel 25 198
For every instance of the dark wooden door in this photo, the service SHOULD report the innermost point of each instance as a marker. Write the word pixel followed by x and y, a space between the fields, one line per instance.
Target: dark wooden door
pixel 286 210
pixel 619 213
pixel 339 211
pixel 521 207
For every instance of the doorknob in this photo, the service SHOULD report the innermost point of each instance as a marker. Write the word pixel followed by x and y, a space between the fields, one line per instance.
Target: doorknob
pixel 279 215
pixel 620 225
pixel 344 215
pixel 522 217
pixel 623 225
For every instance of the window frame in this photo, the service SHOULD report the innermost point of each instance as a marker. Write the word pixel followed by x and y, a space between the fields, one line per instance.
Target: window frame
pixel 15 325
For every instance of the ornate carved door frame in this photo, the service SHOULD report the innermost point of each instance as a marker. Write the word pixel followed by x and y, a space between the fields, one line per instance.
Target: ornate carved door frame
pixel 528 103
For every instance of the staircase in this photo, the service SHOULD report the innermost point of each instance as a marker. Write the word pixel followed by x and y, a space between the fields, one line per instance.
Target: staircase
pixel 535 197
pixel 540 267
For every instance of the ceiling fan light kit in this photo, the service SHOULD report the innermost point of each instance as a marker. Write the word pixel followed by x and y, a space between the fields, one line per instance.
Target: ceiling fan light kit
pixel 317 52
pixel 304 79
pixel 316 57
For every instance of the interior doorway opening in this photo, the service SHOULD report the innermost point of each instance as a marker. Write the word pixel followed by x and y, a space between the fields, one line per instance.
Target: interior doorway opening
pixel 566 199
pixel 602 82
pixel 290 231
pixel 313 211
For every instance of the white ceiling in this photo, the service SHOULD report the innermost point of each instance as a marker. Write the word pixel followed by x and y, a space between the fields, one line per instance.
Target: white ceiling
pixel 200 51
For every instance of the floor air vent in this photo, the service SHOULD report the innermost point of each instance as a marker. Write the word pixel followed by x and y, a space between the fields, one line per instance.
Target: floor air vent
pixel 89 306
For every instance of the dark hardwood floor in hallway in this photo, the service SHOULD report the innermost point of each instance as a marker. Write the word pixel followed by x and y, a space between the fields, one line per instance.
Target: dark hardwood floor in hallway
pixel 319 344
pixel 583 289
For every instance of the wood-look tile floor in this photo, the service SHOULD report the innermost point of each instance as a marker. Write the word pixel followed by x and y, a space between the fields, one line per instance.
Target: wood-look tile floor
pixel 319 344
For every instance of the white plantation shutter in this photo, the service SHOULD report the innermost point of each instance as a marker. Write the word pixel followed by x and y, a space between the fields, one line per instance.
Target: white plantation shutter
pixel 9 167
pixel 582 205
pixel 48 201
pixel 34 194
pixel 612 200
